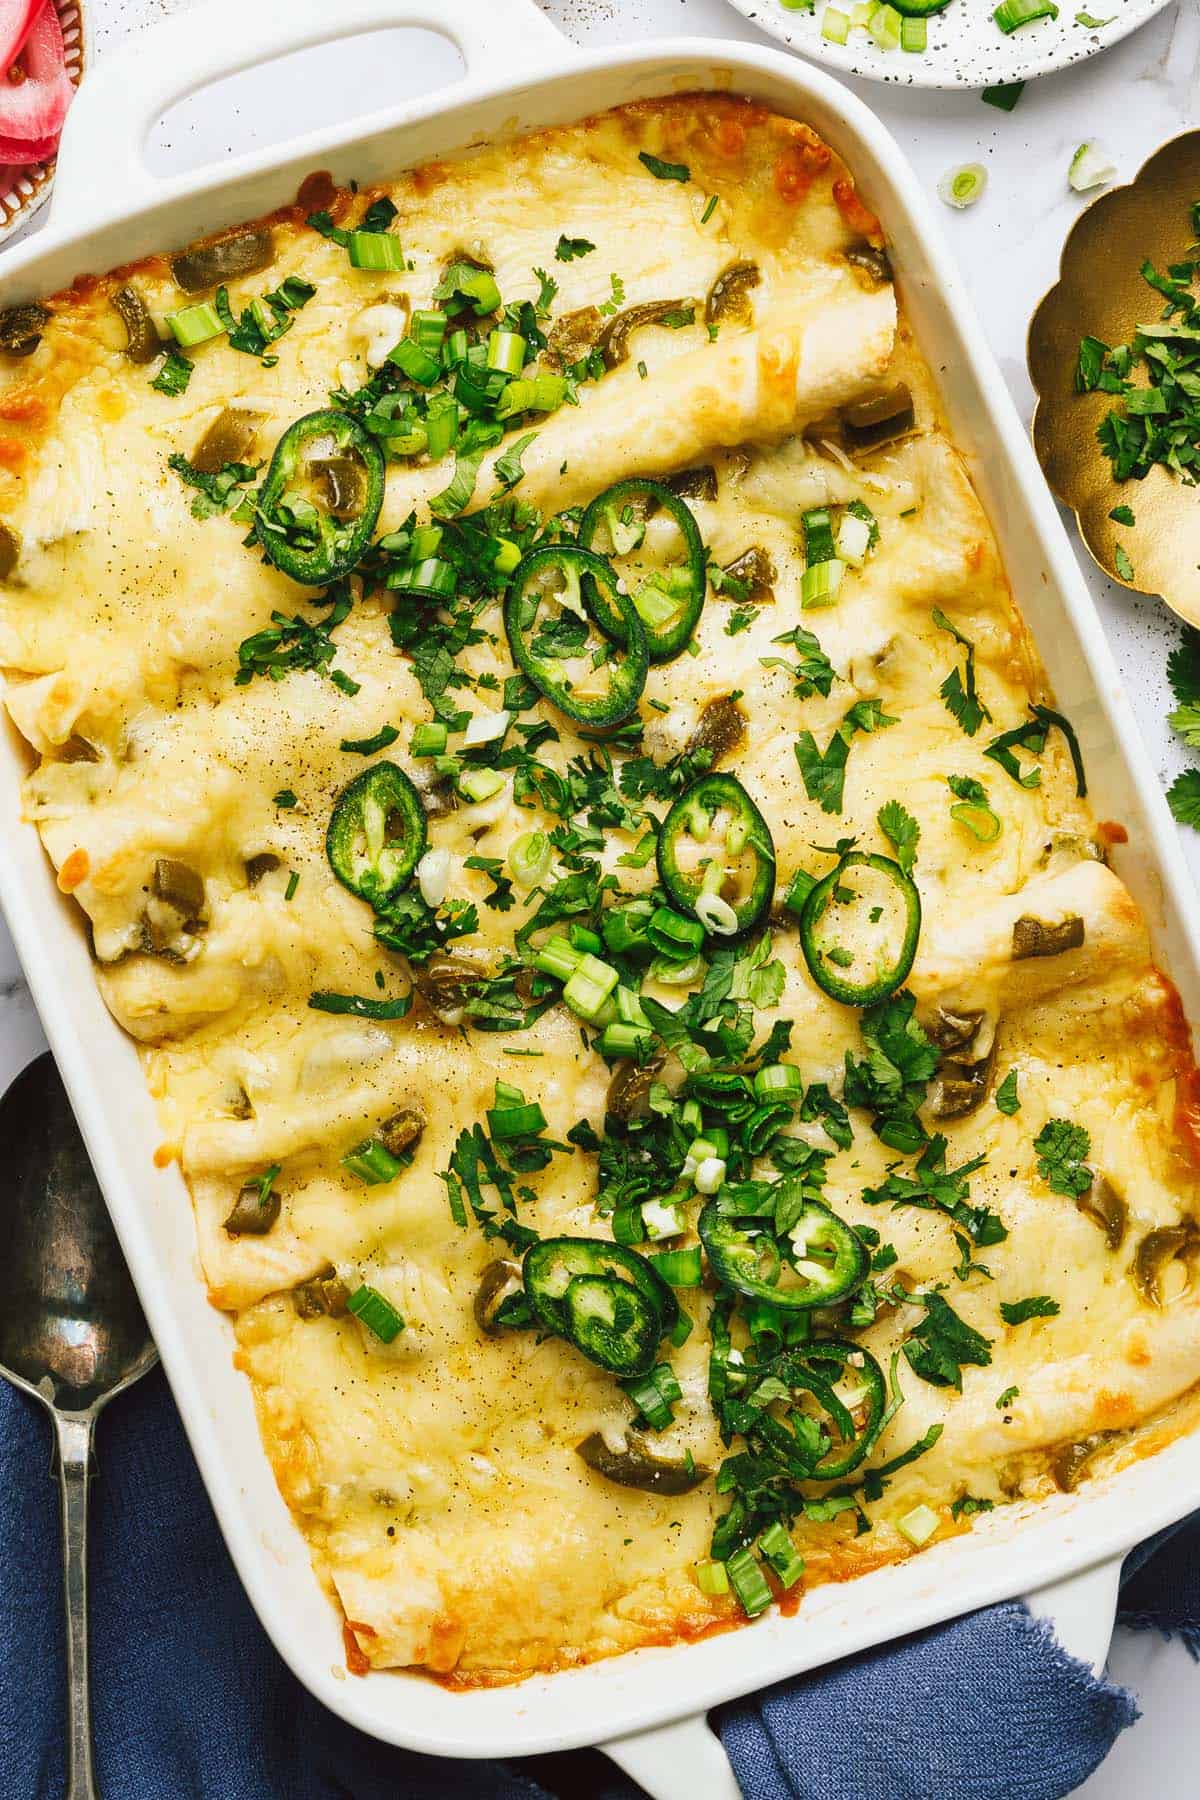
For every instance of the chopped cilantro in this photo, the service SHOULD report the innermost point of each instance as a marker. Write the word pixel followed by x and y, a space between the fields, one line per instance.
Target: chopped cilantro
pixel 1061 1149
pixel 568 249
pixel 616 298
pixel 174 374
pixel 664 171
pixel 1007 1099
pixel 740 619
pixel 387 734
pixel 1038 1306
pixel 1122 515
pixel 958 690
pixel 215 493
pixel 967 1505
pixel 825 773
pixel 902 832
pixel 943 1345
pixel 1183 797
pixel 1007 1397
pixel 1124 566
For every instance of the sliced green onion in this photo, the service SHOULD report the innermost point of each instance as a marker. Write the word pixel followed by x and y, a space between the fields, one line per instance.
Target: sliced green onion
pixel 377 1314
pixel 663 1220
pixel 507 556
pixel 627 1225
pixel 673 935
pixel 914 35
pixel 710 1175
pixel 414 361
pixel 580 938
pixel 374 250
pixel 589 986
pixel 432 576
pixel 818 535
pixel 533 393
pixel 508 1122
pixel 629 1008
pixel 1090 168
pixel 854 532
pixel 835 25
pixel 778 1081
pixel 962 187
pixel 428 328
pixel 480 784
pixel 654 1395
pixel 428 740
pixel 620 1039
pixel 1010 15
pixel 558 958
pixel 655 605
pixel 426 541
pixel 711 1577
pixel 456 348
pixel 919 1525
pixel 884 27
pixel 716 915
pixel 779 1550
pixel 486 728
pixel 441 425
pixel 529 858
pixel 819 584
pixel 679 1268
pixel 194 324
pixel 372 1162
pixel 980 821
pixel 800 887
pixel 749 1583
pixel 676 974
pixel 506 351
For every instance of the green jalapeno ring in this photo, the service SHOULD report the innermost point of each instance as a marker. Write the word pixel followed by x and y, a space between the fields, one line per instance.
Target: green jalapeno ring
pixel 706 797
pixel 627 677
pixel 665 641
pixel 341 541
pixel 838 985
pixel 736 1253
pixel 362 845
pixel 814 1369
pixel 606 1300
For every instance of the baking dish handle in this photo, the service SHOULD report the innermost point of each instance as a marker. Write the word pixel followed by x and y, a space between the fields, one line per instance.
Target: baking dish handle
pixel 686 1760
pixel 124 96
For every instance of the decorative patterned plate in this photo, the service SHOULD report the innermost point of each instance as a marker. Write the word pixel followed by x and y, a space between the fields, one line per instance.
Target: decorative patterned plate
pixel 1100 293
pixel 24 191
pixel 965 49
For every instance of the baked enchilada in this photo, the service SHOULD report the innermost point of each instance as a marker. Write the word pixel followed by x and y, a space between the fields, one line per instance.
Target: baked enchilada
pixel 520 687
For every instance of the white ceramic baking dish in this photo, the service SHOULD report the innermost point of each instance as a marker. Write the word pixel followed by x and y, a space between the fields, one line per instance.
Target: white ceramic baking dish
pixel 647 1709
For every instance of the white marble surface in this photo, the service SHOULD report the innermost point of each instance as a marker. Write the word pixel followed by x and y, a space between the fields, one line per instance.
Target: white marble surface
pixel 1133 98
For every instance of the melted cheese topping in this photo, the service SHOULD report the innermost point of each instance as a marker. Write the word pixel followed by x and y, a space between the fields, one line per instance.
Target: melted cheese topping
pixel 437 1477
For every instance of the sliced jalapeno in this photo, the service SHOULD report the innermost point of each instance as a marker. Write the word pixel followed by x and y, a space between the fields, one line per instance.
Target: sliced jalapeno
pixel 668 593
pixel 602 1298
pixel 715 856
pixel 820 1261
pixel 554 649
pixel 850 1414
pixel 376 836
pixel 859 929
pixel 300 533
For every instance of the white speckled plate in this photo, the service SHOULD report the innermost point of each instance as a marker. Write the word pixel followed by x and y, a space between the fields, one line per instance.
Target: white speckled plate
pixel 965 48
pixel 23 191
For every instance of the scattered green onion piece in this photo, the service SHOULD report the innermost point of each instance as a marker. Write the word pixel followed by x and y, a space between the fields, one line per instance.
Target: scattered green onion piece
pixel 674 936
pixel 676 974
pixel 963 186
pixel 372 1162
pixel 589 986
pixel 914 35
pixel 662 1219
pixel 375 1312
pixel 429 739
pixel 441 426
pixel 1010 15
pixel 779 1550
pixel 679 1268
pixel 558 958
pixel 1090 168
pixel 428 328
pixel 506 351
pixel 620 1039
pixel 532 393
pixel 819 584
pixel 800 887
pixel 654 1395
pixel 919 1525
pixel 580 938
pixel 854 532
pixel 507 556
pixel 748 1582
pixel 835 25
pixel 194 324
pixel 375 250
pixel 413 360
pixel 711 1577
pixel 818 536
pixel 629 1007
pixel 884 27
pixel 627 1225
pixel 777 1081
pixel 480 784
pixel 509 1122
pixel 293 883
pixel 529 858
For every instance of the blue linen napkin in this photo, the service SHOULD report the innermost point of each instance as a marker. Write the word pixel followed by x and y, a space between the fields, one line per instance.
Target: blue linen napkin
pixel 190 1701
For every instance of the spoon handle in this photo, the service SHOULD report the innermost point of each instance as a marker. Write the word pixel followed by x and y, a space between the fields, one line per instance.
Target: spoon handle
pixel 74 1469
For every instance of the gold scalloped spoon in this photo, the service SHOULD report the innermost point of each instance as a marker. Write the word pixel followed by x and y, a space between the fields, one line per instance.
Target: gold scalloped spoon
pixel 1100 293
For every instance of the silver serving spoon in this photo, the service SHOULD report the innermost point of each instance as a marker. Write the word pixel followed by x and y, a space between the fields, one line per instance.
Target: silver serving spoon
pixel 72 1332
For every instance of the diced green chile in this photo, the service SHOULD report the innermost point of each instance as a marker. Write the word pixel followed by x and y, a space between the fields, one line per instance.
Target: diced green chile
pixel 1069 1464
pixel 885 977
pixel 402 1132
pixel 573 335
pixel 625 676
pixel 1156 1250
pixel 10 550
pixel 746 1254
pixel 324 1296
pixel 447 982
pixel 264 863
pixel 699 483
pixel 614 339
pixel 179 885
pixel 202 266
pixel 230 438
pixel 721 728
pixel 813 1369
pixel 729 295
pixel 143 343
pixel 377 833
pixel 883 418
pixel 708 797
pixel 1108 1208
pixel 21 328
pixel 324 546
pixel 874 263
pixel 667 639
pixel 252 1215
pixel 637 1466
pixel 1033 937
pixel 500 1281
pixel 954 1031
pixel 755 568
pixel 602 1298
pixel 629 1089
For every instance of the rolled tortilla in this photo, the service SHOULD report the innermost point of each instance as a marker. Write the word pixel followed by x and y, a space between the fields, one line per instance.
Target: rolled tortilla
pixel 758 385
